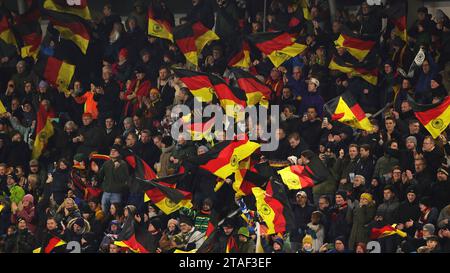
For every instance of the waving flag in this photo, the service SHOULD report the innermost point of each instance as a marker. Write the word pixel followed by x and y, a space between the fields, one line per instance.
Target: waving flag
pixel 192 38
pixel 240 56
pixel 158 27
pixel 397 16
pixel 356 45
pixel 75 7
pixel 278 46
pixel 346 110
pixel 255 91
pixel 368 73
pixel 57 72
pixel 198 84
pixel 435 117
pixel 377 233
pixel 296 177
pixel 6 33
pixel 132 238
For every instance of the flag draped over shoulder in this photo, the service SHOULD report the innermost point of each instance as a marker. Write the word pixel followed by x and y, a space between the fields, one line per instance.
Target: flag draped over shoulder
pixel 132 238
pixel 191 38
pixel 158 27
pixel 255 91
pixel 75 7
pixel 198 84
pixel 368 72
pixel 223 159
pixel 435 117
pixel 278 46
pixel 345 109
pixel 377 233
pixel 273 207
pixel 57 72
pixel 71 28
pixel 356 45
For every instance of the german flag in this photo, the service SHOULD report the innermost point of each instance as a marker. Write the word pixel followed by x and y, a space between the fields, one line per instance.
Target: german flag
pixel 377 233
pixel 296 177
pixel 227 95
pixel 6 32
pixel 256 91
pixel 200 130
pixel 248 177
pixel 79 7
pixel 158 27
pixel 397 17
pixel 278 46
pixel 44 130
pixel 53 243
pixel 345 109
pixel 191 38
pixel 71 28
pixel 166 197
pixel 198 83
pixel 295 23
pixel 141 169
pixel 305 8
pixel 240 57
pixel 132 238
pixel 357 46
pixel 223 159
pixel 2 108
pixel 273 207
pixel 57 72
pixel 435 117
pixel 28 29
pixel 357 70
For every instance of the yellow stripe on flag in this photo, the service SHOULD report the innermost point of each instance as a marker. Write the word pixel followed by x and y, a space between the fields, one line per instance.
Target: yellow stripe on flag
pixel 264 210
pixel 80 41
pixel 37 250
pixel 182 251
pixel 65 75
pixel 278 57
pixel 168 207
pixel 8 37
pixel 158 30
pixel 439 124
pixel 290 179
pixel 350 119
pixel 42 139
pixel 2 108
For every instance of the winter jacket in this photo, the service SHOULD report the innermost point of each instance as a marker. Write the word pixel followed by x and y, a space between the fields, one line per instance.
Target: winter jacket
pixel 389 211
pixel 114 180
pixel 21 242
pixel 360 217
pixel 164 161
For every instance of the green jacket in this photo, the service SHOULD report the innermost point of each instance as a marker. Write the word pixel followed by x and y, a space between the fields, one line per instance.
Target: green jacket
pixel 114 180
pixel 360 217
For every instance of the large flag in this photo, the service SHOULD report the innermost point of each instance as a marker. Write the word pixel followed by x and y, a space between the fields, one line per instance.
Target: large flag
pixel 255 90
pixel 71 28
pixel 158 27
pixel 296 177
pixel 278 46
pixel 6 32
pixel 366 72
pixel 200 130
pixel 228 95
pixel 191 38
pixel 57 72
pixel 248 177
pixel 356 45
pixel 377 233
pixel 397 16
pixel 346 109
pixel 273 206
pixel 198 84
pixel 435 117
pixel 141 169
pixel 75 7
pixel 223 159
pixel 132 238
pixel 240 56
pixel 42 137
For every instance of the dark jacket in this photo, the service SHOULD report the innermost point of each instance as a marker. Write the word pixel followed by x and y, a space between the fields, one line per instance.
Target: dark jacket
pixel 21 242
pixel 107 103
pixel 338 224
pixel 92 139
pixel 114 180
pixel 440 194
pixel 389 211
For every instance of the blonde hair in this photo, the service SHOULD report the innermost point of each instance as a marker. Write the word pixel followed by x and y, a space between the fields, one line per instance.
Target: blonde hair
pixel 63 205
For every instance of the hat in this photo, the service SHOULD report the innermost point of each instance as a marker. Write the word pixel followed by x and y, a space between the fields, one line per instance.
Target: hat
pixel 79 221
pixel 118 148
pixel 34 162
pixel 139 69
pixel 145 52
pixel 437 78
pixel 443 170
pixel 342 193
pixel 205 148
pixel 79 157
pixel 411 189
pixel 244 232
pixel 154 91
pixel 43 84
pixel 340 238
pixel 123 53
pixel 315 81
pixel 307 239
pixel 279 241
pixel 301 193
pixel 425 201
pixel 367 196
pixel 228 223
pixel 429 227
pixel 412 139
pixel 433 238
pixel 186 220
pixel 156 223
